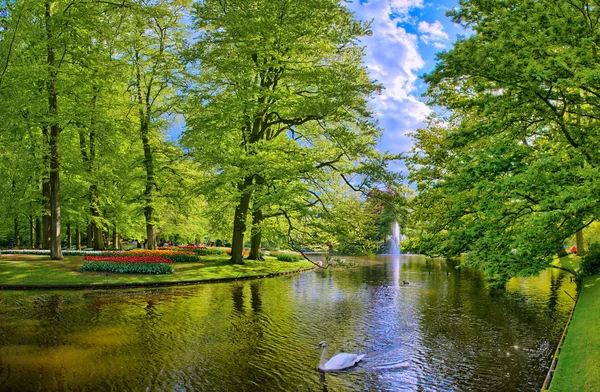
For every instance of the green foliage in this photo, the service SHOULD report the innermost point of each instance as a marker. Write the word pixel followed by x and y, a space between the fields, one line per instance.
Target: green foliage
pixel 279 109
pixel 590 262
pixel 289 257
pixel 209 251
pixel 127 268
pixel 513 170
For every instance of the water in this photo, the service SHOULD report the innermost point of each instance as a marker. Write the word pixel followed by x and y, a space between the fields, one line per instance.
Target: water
pixel 441 332
pixel 392 245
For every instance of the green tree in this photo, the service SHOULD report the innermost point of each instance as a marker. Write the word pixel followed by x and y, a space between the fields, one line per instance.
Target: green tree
pixel 278 73
pixel 512 172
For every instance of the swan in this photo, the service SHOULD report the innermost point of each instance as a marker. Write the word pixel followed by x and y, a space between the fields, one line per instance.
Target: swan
pixel 337 362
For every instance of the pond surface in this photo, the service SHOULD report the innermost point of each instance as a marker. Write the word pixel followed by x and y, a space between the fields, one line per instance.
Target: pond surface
pixel 441 332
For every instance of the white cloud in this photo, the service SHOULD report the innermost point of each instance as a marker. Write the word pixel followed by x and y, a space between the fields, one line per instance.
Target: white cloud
pixel 403 6
pixel 393 59
pixel 432 33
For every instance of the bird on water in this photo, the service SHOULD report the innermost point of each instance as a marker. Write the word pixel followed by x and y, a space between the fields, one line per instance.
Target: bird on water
pixel 337 362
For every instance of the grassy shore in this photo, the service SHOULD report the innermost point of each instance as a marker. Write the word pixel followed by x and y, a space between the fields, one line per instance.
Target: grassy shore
pixel 578 366
pixel 39 270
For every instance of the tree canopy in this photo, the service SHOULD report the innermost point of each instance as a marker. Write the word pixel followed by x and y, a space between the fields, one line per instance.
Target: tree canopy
pixel 511 170
pixel 273 98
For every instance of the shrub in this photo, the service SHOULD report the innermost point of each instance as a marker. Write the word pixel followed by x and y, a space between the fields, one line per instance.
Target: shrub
pixel 288 257
pixel 590 263
pixel 126 268
pixel 210 251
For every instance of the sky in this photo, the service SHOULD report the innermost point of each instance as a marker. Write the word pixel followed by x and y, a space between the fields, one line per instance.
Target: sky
pixel 407 34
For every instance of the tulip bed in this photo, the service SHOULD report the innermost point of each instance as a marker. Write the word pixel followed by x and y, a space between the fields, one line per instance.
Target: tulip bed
pixel 127 267
pixel 122 264
pixel 129 259
pixel 173 255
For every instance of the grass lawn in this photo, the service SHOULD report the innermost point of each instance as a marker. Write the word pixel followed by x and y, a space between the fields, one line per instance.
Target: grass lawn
pixel 578 367
pixel 39 270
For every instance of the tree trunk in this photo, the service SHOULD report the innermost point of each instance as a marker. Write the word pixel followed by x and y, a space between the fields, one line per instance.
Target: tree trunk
pixel 98 237
pixel 17 242
pixel 239 222
pixel 55 246
pixel 31 231
pixel 116 244
pixel 562 252
pixel 77 238
pixel 144 110
pixel 150 190
pixel 256 235
pixel 69 237
pixel 46 221
pixel 580 245
pixel 38 233
pixel 89 241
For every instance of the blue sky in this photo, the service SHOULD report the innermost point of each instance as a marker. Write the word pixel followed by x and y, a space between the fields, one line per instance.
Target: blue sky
pixel 407 34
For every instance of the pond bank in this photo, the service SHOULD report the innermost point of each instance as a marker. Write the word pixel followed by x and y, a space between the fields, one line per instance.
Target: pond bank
pixel 578 368
pixel 19 272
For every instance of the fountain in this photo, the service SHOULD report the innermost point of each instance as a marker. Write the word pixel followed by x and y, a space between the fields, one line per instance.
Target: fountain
pixel 392 245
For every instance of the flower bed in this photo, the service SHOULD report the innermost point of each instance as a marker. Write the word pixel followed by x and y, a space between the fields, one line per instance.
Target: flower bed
pixel 175 256
pixel 129 259
pixel 159 252
pixel 127 267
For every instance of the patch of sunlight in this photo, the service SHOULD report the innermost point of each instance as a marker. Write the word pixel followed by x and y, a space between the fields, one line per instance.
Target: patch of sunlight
pixel 31 361
pixel 107 337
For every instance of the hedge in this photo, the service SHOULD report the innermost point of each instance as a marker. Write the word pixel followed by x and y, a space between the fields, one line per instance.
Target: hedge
pixel 288 257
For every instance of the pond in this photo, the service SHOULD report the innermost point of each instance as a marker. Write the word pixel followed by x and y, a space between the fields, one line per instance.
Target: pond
pixel 440 332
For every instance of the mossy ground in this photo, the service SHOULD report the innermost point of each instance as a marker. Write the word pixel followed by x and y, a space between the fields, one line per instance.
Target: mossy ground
pixel 39 270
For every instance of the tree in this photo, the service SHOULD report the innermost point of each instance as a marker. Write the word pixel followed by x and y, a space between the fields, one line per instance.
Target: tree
pixel 156 35
pixel 511 172
pixel 277 83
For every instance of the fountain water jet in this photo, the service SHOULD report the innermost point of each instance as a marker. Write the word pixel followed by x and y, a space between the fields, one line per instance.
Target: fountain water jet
pixel 392 245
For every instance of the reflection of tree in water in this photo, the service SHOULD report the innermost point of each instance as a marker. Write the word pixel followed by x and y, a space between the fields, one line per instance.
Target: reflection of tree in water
pixel 256 299
pixel 247 331
pixel 555 285
pixel 237 293
pixel 48 309
pixel 466 341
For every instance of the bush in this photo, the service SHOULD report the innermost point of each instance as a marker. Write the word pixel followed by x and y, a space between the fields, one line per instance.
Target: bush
pixel 210 251
pixel 590 263
pixel 288 257
pixel 127 268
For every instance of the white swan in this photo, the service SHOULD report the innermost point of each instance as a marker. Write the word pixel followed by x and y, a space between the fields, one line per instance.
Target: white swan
pixel 337 362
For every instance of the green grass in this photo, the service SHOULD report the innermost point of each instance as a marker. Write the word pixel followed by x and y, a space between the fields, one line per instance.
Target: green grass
pixel 571 262
pixel 578 366
pixel 39 270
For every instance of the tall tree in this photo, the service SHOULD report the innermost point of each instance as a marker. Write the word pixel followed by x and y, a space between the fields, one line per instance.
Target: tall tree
pixel 156 35
pixel 276 74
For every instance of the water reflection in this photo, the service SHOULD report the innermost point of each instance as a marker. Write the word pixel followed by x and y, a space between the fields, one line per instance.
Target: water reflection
pixel 440 332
